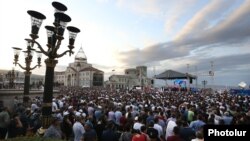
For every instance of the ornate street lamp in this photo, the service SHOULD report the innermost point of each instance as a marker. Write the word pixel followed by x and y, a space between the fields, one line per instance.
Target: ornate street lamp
pixel 55 37
pixel 29 53
pixel 10 76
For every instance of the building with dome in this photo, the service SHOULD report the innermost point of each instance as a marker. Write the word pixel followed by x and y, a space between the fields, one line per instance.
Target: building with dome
pixel 80 73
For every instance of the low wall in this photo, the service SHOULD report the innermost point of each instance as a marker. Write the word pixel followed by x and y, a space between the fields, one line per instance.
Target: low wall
pixel 7 96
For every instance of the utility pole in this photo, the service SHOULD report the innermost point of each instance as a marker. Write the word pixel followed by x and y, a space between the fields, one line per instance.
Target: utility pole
pixel 188 77
pixel 154 77
pixel 196 80
pixel 211 73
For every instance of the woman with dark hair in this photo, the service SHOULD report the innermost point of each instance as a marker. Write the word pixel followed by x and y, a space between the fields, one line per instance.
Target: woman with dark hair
pixel 176 136
pixel 15 127
pixel 4 122
pixel 54 131
pixel 199 136
pixel 126 135
pixel 66 127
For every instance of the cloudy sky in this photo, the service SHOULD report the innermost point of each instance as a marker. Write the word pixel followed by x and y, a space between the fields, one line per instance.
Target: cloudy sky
pixel 161 34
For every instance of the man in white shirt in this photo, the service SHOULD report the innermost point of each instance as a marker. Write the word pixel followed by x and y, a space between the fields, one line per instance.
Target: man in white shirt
pixel 138 124
pixel 158 128
pixel 78 129
pixel 170 127
pixel 54 105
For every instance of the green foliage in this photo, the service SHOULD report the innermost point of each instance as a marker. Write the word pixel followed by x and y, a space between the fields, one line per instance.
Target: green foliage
pixel 31 139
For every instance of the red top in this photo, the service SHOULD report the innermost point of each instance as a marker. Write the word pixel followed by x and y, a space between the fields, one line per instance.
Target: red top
pixel 174 138
pixel 139 137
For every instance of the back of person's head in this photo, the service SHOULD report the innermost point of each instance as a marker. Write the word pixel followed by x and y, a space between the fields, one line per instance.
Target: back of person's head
pixel 135 131
pixel 127 127
pixel 176 130
pixel 185 124
pixel 151 124
pixel 179 122
pixel 199 117
pixel 77 118
pixel 156 120
pixel 140 119
pixel 143 128
pixel 199 135
pixel 110 125
pixel 173 115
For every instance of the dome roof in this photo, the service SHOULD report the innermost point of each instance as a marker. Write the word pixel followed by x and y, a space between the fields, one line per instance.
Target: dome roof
pixel 80 56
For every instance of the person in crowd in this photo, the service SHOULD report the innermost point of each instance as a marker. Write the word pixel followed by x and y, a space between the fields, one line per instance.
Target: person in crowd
pixel 144 133
pixel 109 134
pixel 137 136
pixel 190 114
pixel 199 136
pixel 169 128
pixel 152 132
pixel 126 135
pixel 15 128
pixel 54 130
pixel 90 133
pixel 197 124
pixel 78 129
pixel 100 126
pixel 227 118
pixel 176 136
pixel 66 126
pixel 4 121
pixel 138 123
pixel 158 128
pixel 186 132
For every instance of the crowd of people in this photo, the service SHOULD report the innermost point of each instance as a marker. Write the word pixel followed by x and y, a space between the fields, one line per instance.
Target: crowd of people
pixel 98 114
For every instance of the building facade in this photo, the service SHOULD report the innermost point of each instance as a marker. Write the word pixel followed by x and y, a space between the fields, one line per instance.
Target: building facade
pixel 133 77
pixel 13 79
pixel 80 73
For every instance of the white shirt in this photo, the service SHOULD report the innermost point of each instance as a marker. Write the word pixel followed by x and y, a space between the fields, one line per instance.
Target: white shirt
pixel 159 129
pixel 137 126
pixel 60 104
pixel 78 130
pixel 54 107
pixel 91 110
pixel 170 128
pixel 33 107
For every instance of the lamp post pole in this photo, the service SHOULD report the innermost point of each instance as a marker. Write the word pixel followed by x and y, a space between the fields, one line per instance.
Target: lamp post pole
pixel 55 37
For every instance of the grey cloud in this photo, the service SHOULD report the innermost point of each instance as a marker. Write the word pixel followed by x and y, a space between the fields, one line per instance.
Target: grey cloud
pixel 234 29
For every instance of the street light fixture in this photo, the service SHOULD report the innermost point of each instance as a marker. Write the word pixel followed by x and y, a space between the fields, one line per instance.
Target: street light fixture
pixel 11 76
pixel 55 37
pixel 29 53
pixel 36 22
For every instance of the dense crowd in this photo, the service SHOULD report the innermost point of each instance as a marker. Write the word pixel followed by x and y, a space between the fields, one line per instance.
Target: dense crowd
pixel 98 114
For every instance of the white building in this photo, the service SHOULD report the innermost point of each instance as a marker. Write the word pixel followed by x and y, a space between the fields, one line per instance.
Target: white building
pixel 80 73
pixel 133 77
